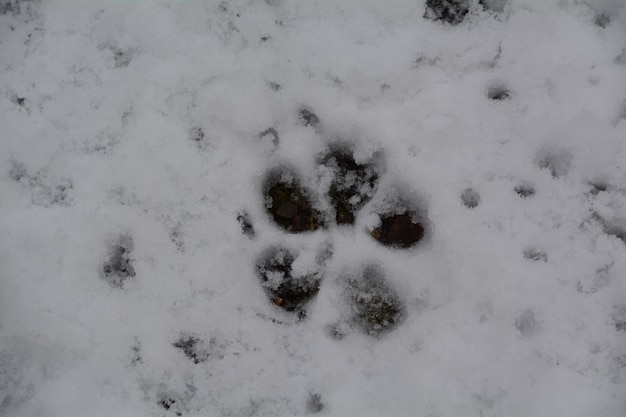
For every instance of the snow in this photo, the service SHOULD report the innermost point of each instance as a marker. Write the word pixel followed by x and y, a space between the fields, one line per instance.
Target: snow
pixel 141 124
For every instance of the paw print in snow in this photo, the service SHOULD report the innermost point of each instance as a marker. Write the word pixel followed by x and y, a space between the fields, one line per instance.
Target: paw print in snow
pixel 346 184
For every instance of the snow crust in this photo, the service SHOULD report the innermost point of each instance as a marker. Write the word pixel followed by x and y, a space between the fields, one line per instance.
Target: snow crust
pixel 148 122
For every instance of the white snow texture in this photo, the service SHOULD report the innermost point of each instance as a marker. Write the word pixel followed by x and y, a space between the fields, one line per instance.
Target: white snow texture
pixel 138 136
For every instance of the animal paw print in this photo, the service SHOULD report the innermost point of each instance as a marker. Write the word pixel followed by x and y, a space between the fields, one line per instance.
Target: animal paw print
pixel 346 186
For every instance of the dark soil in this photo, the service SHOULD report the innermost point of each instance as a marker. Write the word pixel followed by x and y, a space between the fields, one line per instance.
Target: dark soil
pixel 290 205
pixel 399 230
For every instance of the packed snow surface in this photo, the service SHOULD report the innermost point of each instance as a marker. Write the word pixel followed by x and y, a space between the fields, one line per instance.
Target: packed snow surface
pixel 170 237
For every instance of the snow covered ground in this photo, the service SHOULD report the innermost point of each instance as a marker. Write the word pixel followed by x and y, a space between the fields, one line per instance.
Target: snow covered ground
pixel 136 133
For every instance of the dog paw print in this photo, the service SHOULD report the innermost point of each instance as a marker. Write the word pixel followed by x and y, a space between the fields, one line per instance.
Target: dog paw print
pixel 344 185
